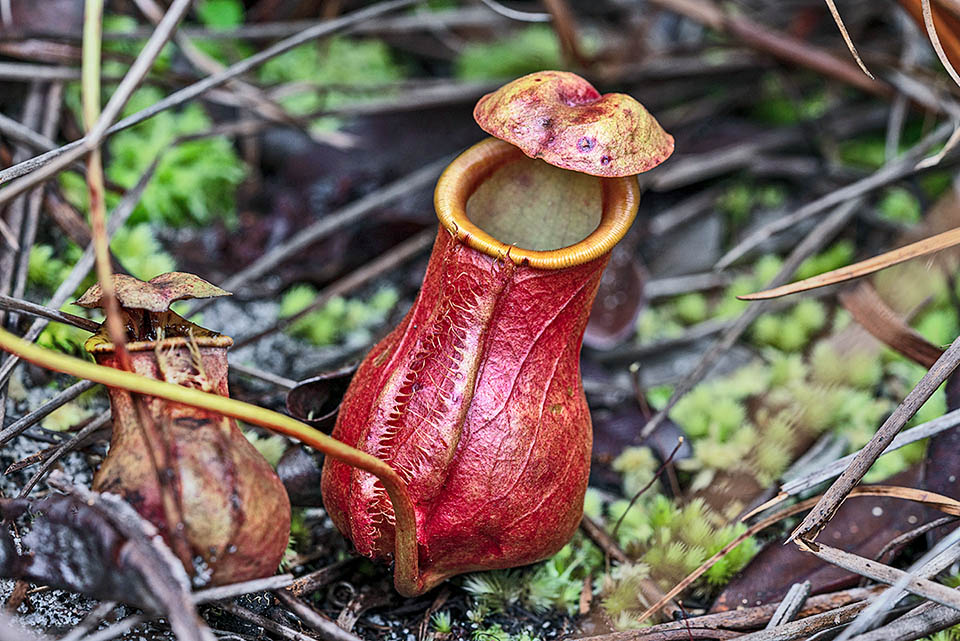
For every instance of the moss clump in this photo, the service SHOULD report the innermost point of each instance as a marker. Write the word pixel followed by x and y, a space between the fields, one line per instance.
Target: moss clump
pixel 338 318
pixel 522 52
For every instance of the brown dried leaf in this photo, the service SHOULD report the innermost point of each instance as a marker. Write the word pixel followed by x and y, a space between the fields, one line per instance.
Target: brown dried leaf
pixel 155 295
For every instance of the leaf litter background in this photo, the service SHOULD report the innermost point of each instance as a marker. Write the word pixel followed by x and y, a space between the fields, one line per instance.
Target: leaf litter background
pixel 306 190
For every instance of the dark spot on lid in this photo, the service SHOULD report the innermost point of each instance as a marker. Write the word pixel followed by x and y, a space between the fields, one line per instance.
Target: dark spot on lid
pixel 605 160
pixel 546 123
pixel 586 143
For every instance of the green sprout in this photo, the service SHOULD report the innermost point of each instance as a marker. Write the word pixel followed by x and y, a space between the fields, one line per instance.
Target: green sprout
pixel 442 622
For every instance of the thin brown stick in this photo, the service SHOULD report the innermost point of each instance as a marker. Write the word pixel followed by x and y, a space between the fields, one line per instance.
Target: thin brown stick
pixel 846 38
pixel 69 444
pixel 327 627
pixel 37 415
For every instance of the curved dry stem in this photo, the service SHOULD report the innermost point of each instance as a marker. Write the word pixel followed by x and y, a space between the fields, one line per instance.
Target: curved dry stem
pixel 407 578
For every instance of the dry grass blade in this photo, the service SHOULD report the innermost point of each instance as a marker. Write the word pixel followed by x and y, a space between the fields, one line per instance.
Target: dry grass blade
pixel 846 37
pixel 875 316
pixel 935 40
pixel 923 247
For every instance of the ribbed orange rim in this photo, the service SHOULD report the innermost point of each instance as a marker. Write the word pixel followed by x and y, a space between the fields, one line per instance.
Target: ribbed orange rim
pixel 621 197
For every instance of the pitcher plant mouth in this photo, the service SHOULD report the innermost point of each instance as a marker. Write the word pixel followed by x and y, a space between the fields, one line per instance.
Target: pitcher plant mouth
pixel 611 203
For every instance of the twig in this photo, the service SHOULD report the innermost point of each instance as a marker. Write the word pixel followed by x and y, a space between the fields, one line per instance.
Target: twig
pixel 934 561
pixel 776 43
pixel 924 620
pixel 62 157
pixel 743 618
pixel 676 285
pixel 267 624
pixel 792 603
pixel 885 574
pixel 828 505
pixel 77 148
pixel 244 587
pixel 117 629
pixel 44 410
pixel 94 425
pixel 805 628
pixel 648 485
pixel 910 535
pixel 818 236
pixel 324 625
pixel 92 620
pixel 35 199
pixel 10 303
pixel 902 166
pixel 255 372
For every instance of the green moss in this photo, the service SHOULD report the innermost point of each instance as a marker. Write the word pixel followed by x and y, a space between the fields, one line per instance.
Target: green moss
pixel 139 251
pixel 691 308
pixel 194 182
pixel 338 317
pixel 338 71
pixel 442 622
pixel 623 599
pixel 220 14
pixel 554 584
pixel 777 106
pixel 522 52
pixel 638 466
pixel 899 205
pixel 837 255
